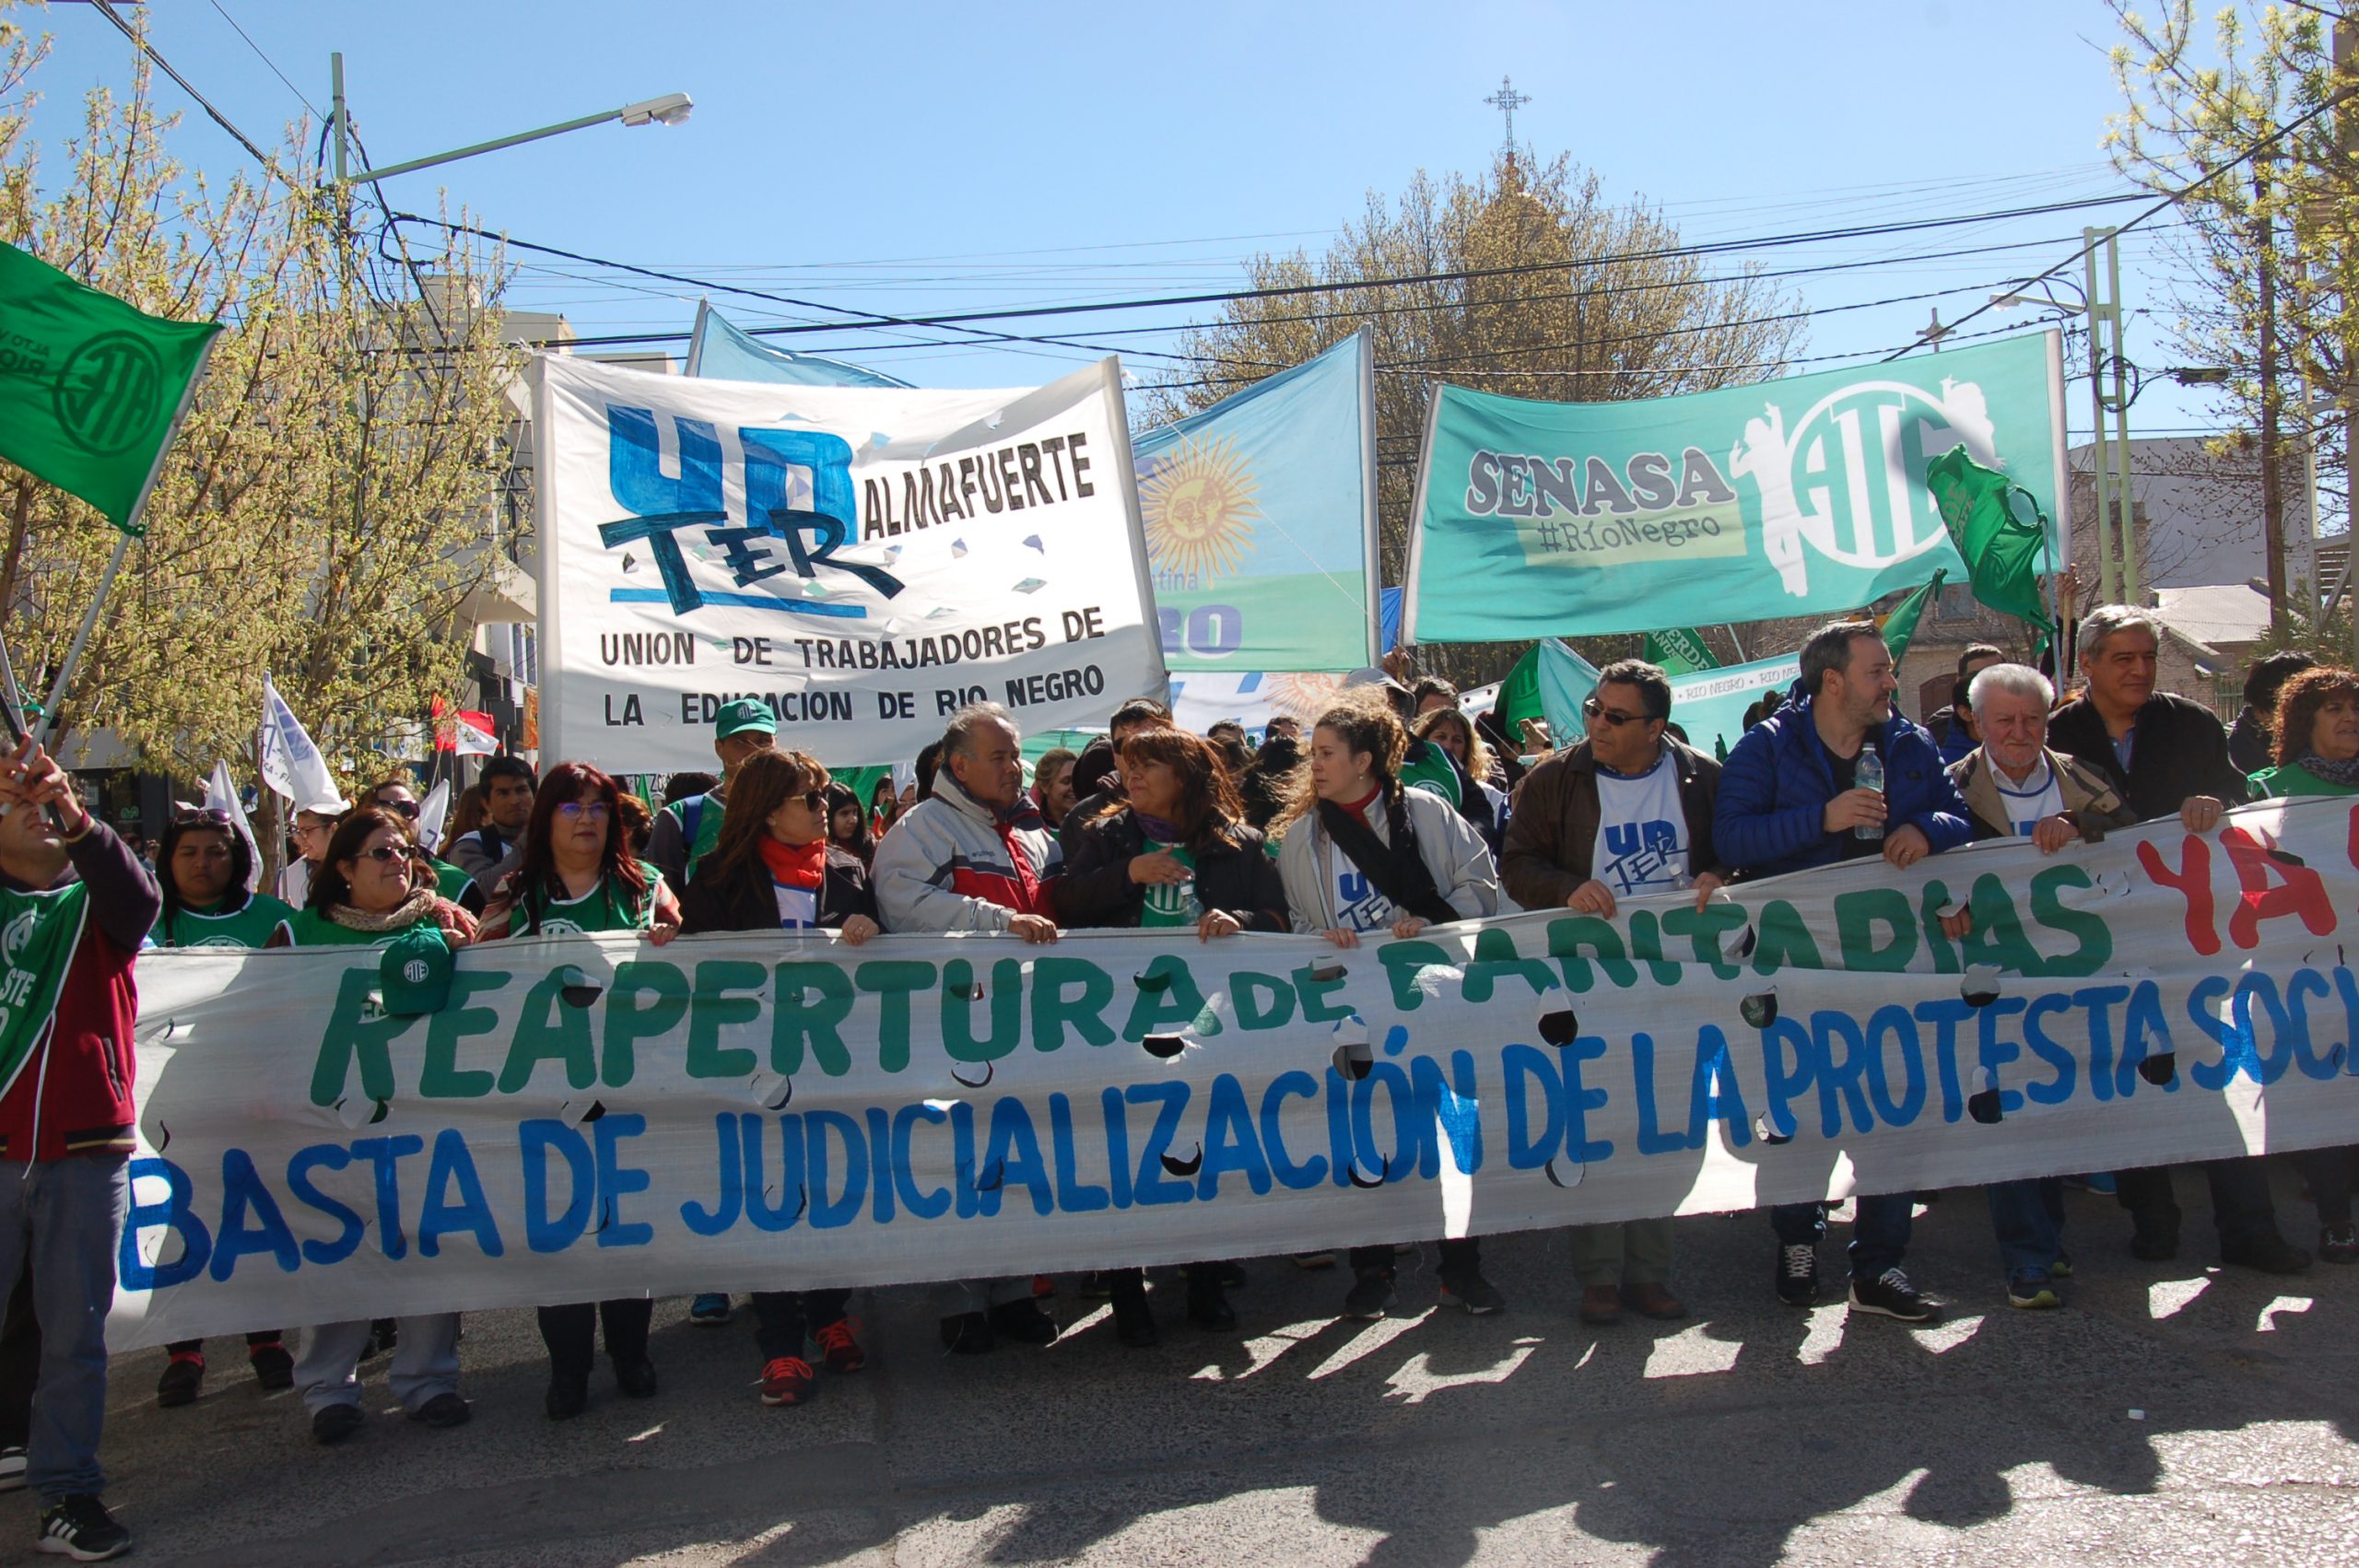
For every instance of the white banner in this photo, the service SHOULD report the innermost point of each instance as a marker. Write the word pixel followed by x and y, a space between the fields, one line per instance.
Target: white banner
pixel 589 1118
pixel 863 560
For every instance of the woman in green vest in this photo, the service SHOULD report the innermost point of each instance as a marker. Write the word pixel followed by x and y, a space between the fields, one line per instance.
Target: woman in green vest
pixel 578 875
pixel 2317 753
pixel 203 871
pixel 372 888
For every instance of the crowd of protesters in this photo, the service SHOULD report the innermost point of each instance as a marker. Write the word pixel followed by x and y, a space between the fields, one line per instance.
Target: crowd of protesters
pixel 1393 811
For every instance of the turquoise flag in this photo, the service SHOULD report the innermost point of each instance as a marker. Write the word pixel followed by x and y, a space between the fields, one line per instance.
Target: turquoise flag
pixel 1261 521
pixel 1708 705
pixel 1790 498
pixel 724 352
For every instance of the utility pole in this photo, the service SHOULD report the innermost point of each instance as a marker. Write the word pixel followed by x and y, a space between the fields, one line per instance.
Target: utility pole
pixel 2109 452
pixel 2272 497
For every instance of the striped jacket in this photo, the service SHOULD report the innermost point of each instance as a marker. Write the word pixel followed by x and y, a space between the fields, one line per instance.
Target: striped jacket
pixel 954 864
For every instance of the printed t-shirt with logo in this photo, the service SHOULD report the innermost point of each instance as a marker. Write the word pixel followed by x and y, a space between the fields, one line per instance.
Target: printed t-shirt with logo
pixel 1172 903
pixel 797 870
pixel 1641 830
pixel 1358 905
pixel 603 909
pixel 2030 803
pixel 248 927
pixel 39 932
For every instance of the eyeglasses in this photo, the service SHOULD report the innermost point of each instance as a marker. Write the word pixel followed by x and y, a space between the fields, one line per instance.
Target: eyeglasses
pixel 203 817
pixel 596 810
pixel 1593 708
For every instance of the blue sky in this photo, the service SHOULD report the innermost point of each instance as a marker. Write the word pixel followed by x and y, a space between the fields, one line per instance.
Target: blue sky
pixel 926 156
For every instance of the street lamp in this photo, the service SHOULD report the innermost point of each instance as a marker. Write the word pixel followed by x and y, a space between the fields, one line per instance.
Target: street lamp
pixel 672 109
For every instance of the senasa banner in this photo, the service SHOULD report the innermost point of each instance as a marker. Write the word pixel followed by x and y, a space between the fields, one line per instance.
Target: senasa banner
pixel 589 1118
pixel 1783 498
pixel 863 560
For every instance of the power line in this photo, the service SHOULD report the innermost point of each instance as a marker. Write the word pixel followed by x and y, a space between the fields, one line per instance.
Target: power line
pixel 1274 291
pixel 141 43
pixel 265 59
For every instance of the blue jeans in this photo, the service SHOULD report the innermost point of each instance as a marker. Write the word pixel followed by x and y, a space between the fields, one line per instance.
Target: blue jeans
pixel 2029 1219
pixel 1879 1230
pixel 66 1215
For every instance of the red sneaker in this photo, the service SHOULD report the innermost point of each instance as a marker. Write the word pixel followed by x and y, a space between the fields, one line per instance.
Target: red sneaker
pixel 786 1381
pixel 843 1353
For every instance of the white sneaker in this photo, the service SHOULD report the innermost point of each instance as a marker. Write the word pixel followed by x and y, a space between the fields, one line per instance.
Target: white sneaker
pixel 12 1470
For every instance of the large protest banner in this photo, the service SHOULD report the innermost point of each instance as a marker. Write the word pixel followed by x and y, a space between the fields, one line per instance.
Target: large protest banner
pixel 863 559
pixel 1260 519
pixel 589 1118
pixel 1782 497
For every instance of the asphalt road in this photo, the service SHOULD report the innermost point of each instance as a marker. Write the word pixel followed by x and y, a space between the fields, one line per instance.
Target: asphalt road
pixel 2171 1412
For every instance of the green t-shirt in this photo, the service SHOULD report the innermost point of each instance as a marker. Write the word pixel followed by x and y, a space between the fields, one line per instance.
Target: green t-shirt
pixel 450 881
pixel 309 928
pixel 1172 903
pixel 2291 778
pixel 603 909
pixel 1434 771
pixel 248 926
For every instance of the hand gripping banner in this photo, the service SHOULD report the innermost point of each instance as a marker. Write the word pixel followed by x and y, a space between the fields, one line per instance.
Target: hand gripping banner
pixel 591 1116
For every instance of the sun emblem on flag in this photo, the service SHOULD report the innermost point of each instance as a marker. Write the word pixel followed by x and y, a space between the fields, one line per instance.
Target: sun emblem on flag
pixel 1305 696
pixel 1199 508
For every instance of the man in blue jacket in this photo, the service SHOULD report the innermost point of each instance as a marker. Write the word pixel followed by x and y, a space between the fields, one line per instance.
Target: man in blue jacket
pixel 1790 798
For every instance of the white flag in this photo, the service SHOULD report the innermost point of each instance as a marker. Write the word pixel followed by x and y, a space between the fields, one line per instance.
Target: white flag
pixel 431 813
pixel 471 741
pixel 291 764
pixel 220 793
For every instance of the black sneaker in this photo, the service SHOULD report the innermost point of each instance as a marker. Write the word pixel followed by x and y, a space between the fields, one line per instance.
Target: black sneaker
pixel 568 1395
pixel 1797 1275
pixel 184 1375
pixel 2268 1253
pixel 1024 1322
pixel 1370 1296
pixel 1890 1294
pixel 1471 1293
pixel 273 1367
pixel 334 1423
pixel 444 1410
pixel 81 1527
pixel 1134 1320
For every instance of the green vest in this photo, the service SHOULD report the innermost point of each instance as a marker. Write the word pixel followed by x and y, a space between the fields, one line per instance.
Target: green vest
pixel 309 928
pixel 39 932
pixel 708 811
pixel 248 926
pixel 600 909
pixel 450 881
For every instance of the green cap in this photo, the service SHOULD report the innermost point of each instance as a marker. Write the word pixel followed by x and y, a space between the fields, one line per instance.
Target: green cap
pixel 414 970
pixel 744 714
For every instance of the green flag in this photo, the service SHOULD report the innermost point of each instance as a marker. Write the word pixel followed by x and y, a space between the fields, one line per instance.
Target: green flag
pixel 90 388
pixel 1519 694
pixel 1679 650
pixel 1901 625
pixel 1985 513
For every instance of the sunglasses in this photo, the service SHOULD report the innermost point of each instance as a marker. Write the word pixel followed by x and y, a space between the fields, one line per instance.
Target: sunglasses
pixel 386 854
pixel 1593 708
pixel 403 808
pixel 203 817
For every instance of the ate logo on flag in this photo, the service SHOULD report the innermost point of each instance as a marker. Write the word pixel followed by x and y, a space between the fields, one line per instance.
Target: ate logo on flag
pixel 109 394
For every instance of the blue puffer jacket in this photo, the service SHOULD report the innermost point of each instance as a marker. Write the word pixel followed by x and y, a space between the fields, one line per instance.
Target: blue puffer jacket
pixel 1770 816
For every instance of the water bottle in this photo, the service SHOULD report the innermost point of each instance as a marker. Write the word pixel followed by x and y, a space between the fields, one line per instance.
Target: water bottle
pixel 1870 776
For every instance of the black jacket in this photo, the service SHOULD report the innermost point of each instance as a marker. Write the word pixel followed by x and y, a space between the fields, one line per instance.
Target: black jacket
pixel 2180 749
pixel 747 900
pixel 1234 874
pixel 1264 788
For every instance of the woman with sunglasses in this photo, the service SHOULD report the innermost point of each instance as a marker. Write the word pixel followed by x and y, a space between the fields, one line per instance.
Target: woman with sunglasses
pixel 773 869
pixel 1173 855
pixel 372 889
pixel 1363 854
pixel 202 871
pixel 579 875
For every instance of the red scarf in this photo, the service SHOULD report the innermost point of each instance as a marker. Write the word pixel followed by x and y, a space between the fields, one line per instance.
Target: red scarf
pixel 796 865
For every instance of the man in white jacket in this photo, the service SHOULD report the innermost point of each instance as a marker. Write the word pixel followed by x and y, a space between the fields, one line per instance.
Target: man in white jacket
pixel 975 856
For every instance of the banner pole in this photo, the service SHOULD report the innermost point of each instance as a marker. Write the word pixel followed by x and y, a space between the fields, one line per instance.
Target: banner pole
pixel 82 638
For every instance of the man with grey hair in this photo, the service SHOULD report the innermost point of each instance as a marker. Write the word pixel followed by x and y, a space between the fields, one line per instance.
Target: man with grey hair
pixel 2015 788
pixel 975 856
pixel 2167 757
pixel 2012 785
